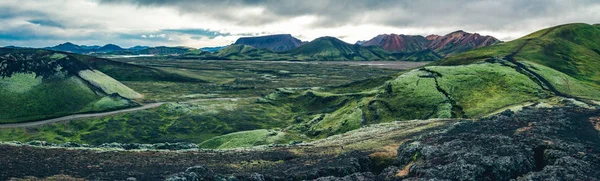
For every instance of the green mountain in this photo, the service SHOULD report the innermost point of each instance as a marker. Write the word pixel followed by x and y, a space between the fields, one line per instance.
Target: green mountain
pixel 333 49
pixel 330 48
pixel 247 52
pixel 38 84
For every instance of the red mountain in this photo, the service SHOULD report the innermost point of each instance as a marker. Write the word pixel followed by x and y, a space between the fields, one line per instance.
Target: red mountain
pixel 455 42
pixel 398 43
pixel 459 41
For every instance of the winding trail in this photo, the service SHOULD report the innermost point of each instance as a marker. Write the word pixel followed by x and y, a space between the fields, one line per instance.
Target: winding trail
pixel 102 114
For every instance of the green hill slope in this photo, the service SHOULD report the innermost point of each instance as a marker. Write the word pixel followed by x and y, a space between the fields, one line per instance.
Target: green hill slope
pixel 571 52
pixel 39 84
pixel 330 48
pixel 131 72
pixel 247 52
pixel 571 49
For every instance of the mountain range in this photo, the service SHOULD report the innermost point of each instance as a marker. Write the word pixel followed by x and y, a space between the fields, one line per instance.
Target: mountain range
pixel 452 43
pixel 287 47
pixel 83 49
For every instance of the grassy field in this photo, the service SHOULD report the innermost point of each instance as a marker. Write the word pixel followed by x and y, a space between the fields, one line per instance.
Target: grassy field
pixel 567 84
pixel 315 112
pixel 481 88
pixel 199 121
pixel 251 138
pixel 250 78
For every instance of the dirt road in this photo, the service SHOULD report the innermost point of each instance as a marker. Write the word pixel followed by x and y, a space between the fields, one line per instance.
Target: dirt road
pixel 103 114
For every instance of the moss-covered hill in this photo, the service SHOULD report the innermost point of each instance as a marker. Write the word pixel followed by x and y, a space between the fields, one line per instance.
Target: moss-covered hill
pixel 572 49
pixel 478 83
pixel 37 84
pixel 247 52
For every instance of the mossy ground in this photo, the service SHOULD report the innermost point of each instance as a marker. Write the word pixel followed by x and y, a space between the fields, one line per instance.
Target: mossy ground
pixel 199 121
pixel 172 122
pixel 251 138
pixel 25 97
pixel 108 84
pixel 429 92
pixel 245 78
pixel 481 88
pixel 567 84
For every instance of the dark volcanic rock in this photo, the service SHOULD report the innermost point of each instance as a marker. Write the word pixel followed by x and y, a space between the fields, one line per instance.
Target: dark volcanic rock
pixel 367 176
pixel 277 43
pixel 544 144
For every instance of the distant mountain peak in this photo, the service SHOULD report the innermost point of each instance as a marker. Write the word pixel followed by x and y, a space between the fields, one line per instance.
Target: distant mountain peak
pixel 458 31
pixel 460 41
pixel 455 42
pixel 432 37
pixel 277 42
pixel 398 43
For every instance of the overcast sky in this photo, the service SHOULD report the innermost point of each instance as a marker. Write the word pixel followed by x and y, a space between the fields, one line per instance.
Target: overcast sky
pixel 201 23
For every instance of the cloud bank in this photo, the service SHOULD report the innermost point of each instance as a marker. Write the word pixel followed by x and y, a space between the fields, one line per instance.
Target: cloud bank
pixel 199 23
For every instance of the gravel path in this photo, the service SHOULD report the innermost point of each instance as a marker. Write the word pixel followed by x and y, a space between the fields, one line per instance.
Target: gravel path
pixel 103 114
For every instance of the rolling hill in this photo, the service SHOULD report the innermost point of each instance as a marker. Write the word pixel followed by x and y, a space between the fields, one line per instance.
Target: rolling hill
pixel 73 48
pixel 39 84
pixel 276 43
pixel 109 48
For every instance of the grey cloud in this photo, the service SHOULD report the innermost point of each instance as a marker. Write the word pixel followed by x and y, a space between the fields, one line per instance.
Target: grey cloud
pixel 46 22
pixel 470 14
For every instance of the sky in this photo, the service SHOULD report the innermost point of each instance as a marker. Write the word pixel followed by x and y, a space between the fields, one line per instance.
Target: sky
pixel 204 23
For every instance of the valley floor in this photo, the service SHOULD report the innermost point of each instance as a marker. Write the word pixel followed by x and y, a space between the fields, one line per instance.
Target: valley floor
pixel 566 136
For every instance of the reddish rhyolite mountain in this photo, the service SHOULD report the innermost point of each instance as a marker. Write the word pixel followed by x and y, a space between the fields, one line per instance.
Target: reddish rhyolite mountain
pixel 460 41
pixel 277 43
pixel 449 44
pixel 399 43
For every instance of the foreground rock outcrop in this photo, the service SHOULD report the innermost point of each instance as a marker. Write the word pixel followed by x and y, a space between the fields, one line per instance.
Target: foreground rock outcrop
pixel 534 144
